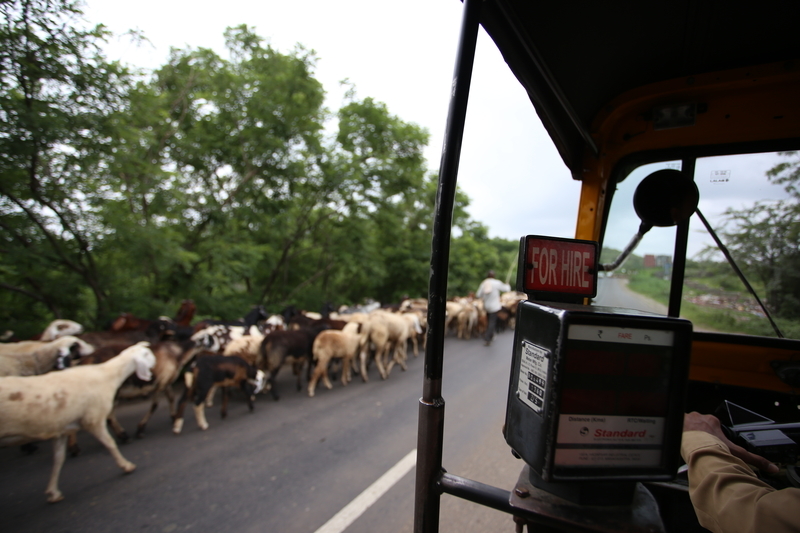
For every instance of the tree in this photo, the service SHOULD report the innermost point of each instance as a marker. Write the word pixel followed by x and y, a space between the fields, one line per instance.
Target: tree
pixel 765 239
pixel 255 205
pixel 237 145
pixel 211 178
pixel 58 101
pixel 383 184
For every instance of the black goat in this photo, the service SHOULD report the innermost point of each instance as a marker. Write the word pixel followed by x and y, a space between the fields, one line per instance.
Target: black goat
pixel 208 370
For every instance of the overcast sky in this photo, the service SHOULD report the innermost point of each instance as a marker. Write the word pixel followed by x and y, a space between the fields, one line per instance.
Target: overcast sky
pixel 403 54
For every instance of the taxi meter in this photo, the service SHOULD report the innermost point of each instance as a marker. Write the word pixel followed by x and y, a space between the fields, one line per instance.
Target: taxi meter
pixel 595 393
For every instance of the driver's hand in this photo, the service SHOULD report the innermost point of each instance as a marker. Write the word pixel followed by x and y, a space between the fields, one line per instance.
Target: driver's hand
pixel 694 421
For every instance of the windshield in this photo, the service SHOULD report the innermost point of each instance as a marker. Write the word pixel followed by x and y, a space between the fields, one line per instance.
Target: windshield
pixel 750 200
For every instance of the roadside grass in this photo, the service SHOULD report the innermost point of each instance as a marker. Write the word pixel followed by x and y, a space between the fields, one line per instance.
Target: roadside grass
pixel 649 283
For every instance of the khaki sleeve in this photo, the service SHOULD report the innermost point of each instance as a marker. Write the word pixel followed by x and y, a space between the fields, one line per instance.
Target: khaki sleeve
pixel 728 497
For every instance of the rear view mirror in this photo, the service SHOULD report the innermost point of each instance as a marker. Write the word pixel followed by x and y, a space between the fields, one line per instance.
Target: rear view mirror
pixel 665 198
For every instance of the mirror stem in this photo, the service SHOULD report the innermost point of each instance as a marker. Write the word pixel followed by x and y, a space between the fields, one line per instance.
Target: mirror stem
pixel 608 267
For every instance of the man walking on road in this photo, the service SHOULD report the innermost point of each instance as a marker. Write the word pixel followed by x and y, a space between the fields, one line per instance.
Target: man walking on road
pixel 489 292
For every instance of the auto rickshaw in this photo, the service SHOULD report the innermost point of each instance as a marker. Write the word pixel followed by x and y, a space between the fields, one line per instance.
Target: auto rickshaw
pixel 665 109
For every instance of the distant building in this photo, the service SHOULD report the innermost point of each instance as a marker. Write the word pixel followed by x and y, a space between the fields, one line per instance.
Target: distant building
pixel 664 261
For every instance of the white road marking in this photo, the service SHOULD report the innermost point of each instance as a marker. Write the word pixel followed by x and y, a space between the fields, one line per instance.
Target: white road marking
pixel 364 501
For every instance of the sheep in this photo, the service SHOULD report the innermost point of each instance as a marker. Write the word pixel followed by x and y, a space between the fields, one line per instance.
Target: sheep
pixel 171 357
pixel 334 344
pixel 352 317
pixel 256 314
pixel 374 333
pixel 305 321
pixel 400 330
pixel 210 369
pixel 415 320
pixel 275 323
pixel 30 358
pixel 248 348
pixel 415 304
pixel 60 328
pixel 290 345
pixel 66 355
pixel 385 330
pixel 57 404
pixel 216 337
pixel 467 320
pixel 99 339
pixel 451 314
pixel 510 301
pixel 64 358
pixel 129 322
pixel 185 313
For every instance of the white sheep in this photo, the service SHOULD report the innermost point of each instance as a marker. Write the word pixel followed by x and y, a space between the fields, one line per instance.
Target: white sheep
pixel 414 320
pixel 386 331
pixel 60 328
pixel 57 404
pixel 31 358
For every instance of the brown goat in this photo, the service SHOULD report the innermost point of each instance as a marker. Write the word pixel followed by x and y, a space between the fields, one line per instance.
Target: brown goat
pixel 334 344
pixel 288 346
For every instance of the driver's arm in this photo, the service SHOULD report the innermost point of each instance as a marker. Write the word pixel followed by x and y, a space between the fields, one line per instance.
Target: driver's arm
pixel 726 494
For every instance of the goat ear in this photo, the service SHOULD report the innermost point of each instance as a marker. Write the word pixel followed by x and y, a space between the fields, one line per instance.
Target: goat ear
pixel 145 360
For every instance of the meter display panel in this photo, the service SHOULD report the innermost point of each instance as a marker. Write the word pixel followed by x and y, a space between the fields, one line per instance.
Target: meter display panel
pixel 614 397
pixel 597 393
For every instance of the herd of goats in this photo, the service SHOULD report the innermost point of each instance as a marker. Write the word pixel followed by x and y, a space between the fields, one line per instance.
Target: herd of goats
pixel 68 380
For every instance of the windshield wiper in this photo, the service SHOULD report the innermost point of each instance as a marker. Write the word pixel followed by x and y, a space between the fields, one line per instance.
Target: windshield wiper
pixel 739 273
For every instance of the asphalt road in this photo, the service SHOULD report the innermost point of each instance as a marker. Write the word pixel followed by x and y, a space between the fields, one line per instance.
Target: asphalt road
pixel 614 292
pixel 287 467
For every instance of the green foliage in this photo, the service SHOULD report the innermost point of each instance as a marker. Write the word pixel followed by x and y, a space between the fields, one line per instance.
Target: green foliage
pixel 473 254
pixel 210 178
pixel 59 100
pixel 716 275
pixel 633 263
pixel 739 315
pixel 650 283
pixel 765 240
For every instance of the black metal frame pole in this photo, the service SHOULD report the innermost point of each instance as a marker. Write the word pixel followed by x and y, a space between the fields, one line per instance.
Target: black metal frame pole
pixel 679 262
pixel 430 432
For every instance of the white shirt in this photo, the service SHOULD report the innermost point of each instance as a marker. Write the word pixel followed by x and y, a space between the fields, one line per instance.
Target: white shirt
pixel 489 292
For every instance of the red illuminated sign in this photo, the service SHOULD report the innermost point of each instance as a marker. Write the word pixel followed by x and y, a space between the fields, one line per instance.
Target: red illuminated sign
pixel 560 266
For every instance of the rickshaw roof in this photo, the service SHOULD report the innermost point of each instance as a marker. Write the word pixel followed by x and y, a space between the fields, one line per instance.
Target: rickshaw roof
pixel 573 58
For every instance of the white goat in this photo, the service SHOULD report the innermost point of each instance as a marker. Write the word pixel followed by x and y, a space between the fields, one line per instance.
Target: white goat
pixel 30 358
pixel 55 405
pixel 247 347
